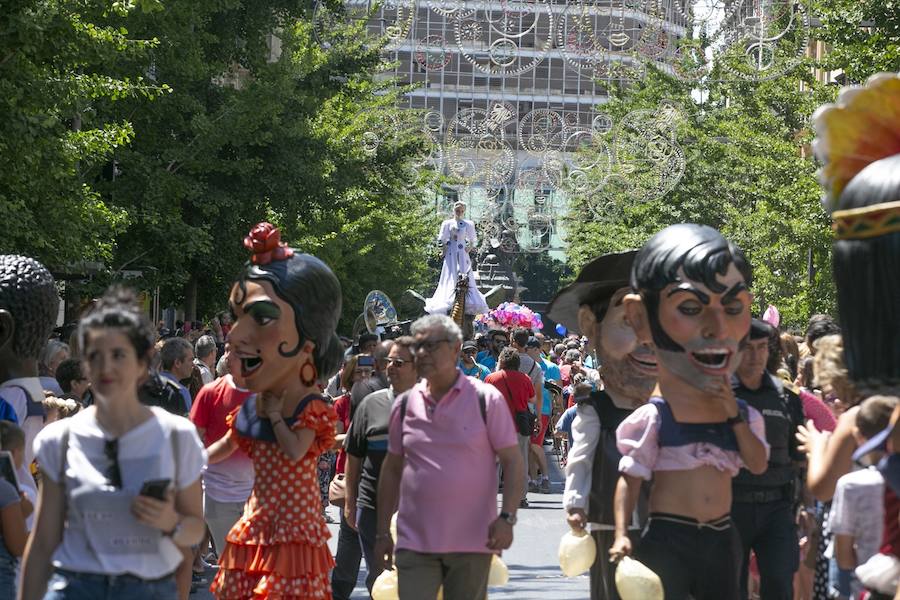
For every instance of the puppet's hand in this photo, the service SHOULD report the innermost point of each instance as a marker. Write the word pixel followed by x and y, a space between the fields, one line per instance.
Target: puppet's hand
pixel 726 396
pixel 270 404
pixel 620 548
pixel 577 519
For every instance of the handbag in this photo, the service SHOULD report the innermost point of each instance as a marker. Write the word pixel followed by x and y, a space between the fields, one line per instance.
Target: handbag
pixel 525 420
pixel 337 490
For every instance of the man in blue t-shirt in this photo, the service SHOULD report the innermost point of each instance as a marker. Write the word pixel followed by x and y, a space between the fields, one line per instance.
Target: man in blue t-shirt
pixel 497 341
pixel 467 363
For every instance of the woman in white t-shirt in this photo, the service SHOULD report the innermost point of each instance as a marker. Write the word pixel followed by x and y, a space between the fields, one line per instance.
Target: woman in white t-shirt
pixel 99 532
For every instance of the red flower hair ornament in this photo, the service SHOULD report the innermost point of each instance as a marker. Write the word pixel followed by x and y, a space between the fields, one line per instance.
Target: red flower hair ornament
pixel 265 243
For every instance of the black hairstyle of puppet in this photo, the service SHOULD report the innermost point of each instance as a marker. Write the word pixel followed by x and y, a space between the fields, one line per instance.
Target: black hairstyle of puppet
pixel 28 295
pixel 867 276
pixel 700 251
pixel 308 285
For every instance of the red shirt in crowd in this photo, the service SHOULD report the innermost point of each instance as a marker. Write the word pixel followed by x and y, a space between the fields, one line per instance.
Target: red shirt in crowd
pixel 342 408
pixel 213 403
pixel 232 479
pixel 516 388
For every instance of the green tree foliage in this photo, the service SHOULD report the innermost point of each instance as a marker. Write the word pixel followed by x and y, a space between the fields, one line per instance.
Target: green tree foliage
pixel 260 127
pixel 746 174
pixel 54 81
pixel 863 35
pixel 541 274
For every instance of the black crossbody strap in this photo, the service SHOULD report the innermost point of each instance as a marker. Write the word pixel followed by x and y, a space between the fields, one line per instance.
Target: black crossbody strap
pixel 482 404
pixel 173 438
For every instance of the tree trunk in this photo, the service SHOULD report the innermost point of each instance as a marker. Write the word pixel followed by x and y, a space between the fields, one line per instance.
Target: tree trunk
pixel 190 299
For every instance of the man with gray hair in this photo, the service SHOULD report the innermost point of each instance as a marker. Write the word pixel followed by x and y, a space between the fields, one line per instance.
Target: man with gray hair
pixel 445 436
pixel 205 357
pixel 177 362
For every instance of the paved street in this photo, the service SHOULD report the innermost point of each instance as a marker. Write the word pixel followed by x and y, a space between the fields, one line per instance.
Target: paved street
pixel 533 567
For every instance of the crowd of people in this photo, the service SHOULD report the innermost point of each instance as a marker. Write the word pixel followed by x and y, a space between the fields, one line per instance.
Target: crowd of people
pixel 733 458
pixel 152 454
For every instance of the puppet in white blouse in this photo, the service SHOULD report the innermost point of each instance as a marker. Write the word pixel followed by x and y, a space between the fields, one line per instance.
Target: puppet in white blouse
pixel 457 240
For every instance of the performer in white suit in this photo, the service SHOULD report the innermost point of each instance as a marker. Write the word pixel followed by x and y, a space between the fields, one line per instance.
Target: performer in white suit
pixel 457 239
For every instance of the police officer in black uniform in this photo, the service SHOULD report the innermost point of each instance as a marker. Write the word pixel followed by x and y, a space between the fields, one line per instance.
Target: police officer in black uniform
pixel 763 506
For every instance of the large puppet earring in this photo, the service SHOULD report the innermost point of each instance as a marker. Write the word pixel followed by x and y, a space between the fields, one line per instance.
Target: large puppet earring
pixel 309 375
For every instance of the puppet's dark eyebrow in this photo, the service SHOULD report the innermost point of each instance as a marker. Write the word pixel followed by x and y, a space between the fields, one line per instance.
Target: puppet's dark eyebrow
pixel 263 308
pixel 687 287
pixel 731 294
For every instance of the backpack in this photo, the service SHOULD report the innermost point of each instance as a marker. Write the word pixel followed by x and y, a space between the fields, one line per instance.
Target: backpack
pixel 32 408
pixel 162 392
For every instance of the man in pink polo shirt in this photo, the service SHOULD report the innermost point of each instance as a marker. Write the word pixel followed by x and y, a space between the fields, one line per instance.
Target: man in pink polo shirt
pixel 441 466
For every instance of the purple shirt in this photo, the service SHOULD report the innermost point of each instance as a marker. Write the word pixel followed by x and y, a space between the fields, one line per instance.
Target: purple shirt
pixel 448 488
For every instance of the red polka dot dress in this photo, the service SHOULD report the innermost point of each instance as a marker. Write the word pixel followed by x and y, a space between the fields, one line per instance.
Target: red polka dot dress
pixel 278 548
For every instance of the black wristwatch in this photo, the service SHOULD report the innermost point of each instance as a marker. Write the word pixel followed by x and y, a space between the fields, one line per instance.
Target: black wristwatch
pixel 509 518
pixel 732 421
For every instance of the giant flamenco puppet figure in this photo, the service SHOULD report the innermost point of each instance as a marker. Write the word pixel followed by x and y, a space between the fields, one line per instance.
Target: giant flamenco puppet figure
pixel 457 291
pixel 691 301
pixel 286 307
pixel 593 306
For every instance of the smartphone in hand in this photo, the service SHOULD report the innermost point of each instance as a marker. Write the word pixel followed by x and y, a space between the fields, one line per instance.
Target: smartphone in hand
pixel 155 488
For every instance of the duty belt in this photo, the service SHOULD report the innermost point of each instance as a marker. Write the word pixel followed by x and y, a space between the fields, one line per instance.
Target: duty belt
pixel 759 496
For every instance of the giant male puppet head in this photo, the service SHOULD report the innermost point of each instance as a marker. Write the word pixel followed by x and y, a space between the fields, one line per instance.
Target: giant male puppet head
pixel 593 306
pixel 28 308
pixel 692 302
pixel 858 140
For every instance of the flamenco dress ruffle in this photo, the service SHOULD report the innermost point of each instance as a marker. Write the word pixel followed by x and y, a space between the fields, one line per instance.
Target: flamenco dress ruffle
pixel 279 548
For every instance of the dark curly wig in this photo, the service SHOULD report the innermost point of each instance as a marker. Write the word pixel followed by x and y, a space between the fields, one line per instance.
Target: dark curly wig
pixel 28 292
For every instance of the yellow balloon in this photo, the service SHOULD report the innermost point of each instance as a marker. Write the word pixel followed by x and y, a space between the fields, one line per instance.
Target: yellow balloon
pixel 577 552
pixel 386 586
pixel 499 574
pixel 635 581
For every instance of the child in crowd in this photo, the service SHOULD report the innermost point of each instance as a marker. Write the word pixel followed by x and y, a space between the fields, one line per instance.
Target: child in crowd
pixel 857 510
pixel 14 508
